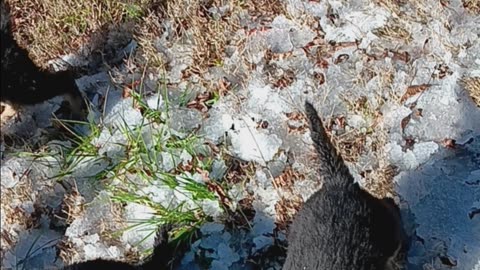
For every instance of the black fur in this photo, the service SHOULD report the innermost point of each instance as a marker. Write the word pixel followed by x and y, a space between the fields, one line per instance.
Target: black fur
pixel 342 226
pixel 164 257
pixel 22 82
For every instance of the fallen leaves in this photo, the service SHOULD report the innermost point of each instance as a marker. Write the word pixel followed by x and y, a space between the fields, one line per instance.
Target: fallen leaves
pixel 200 102
pixel 413 90
pixel 449 143
pixel 286 210
pixel 285 80
pixel 472 85
pixel 405 122
pixel 341 58
pixel 296 123
pixel 287 179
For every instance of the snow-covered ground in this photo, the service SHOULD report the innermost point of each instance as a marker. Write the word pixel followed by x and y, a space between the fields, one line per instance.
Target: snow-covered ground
pixel 389 77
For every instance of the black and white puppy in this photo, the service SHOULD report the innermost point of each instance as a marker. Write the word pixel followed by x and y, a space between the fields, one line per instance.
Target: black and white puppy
pixel 22 82
pixel 342 226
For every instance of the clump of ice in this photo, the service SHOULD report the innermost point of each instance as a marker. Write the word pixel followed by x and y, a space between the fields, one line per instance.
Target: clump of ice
pixel 111 143
pixel 172 158
pixel 216 241
pixel 98 212
pixel 89 166
pixel 142 234
pixel 158 193
pixel 411 159
pixel 285 35
pixel 227 249
pixel 216 125
pixel 250 144
pixel 212 208
pixel 179 58
pixel 226 255
pixel 155 101
pixel 11 170
pixel 211 227
pixel 120 112
pixel 218 170
pixel 272 102
pixel 184 119
pixel 100 250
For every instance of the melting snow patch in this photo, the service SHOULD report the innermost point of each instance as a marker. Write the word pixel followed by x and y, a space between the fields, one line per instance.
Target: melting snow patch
pixel 272 103
pixel 11 171
pixel 411 159
pixel 97 212
pixel 250 144
pixel 212 208
pixel 215 127
pixel 120 112
pixel 142 234
pixel 155 102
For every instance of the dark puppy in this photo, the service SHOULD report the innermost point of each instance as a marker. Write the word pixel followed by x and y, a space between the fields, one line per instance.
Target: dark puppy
pixel 164 257
pixel 342 226
pixel 22 82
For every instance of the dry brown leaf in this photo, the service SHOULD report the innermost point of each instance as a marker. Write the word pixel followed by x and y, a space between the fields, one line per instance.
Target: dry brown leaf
pixel 341 58
pixel 286 210
pixel 336 46
pixel 340 122
pixel 449 143
pixel 409 143
pixel 405 122
pixel 378 118
pixel 320 77
pixel 287 179
pixel 217 189
pixel 400 56
pixel 441 71
pixel 322 63
pixel 262 124
pixel 127 92
pixel 296 116
pixel 413 90
pixel 418 112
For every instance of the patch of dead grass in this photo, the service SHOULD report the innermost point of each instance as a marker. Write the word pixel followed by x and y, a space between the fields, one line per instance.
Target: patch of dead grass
pixel 472 85
pixel 207 26
pixel 50 28
pixel 209 34
pixel 351 145
pixel 16 219
pixel 146 36
pixel 72 206
pixel 379 182
pixel 67 252
pixel 472 6
pixel 287 179
pixel 392 6
pixel 394 30
pixel 239 171
pixel 286 209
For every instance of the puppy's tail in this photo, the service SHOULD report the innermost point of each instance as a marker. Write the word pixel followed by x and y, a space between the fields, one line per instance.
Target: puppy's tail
pixel 163 254
pixel 332 169
pixel 166 254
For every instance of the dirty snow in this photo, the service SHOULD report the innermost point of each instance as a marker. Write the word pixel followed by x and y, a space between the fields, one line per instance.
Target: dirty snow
pixel 438 186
